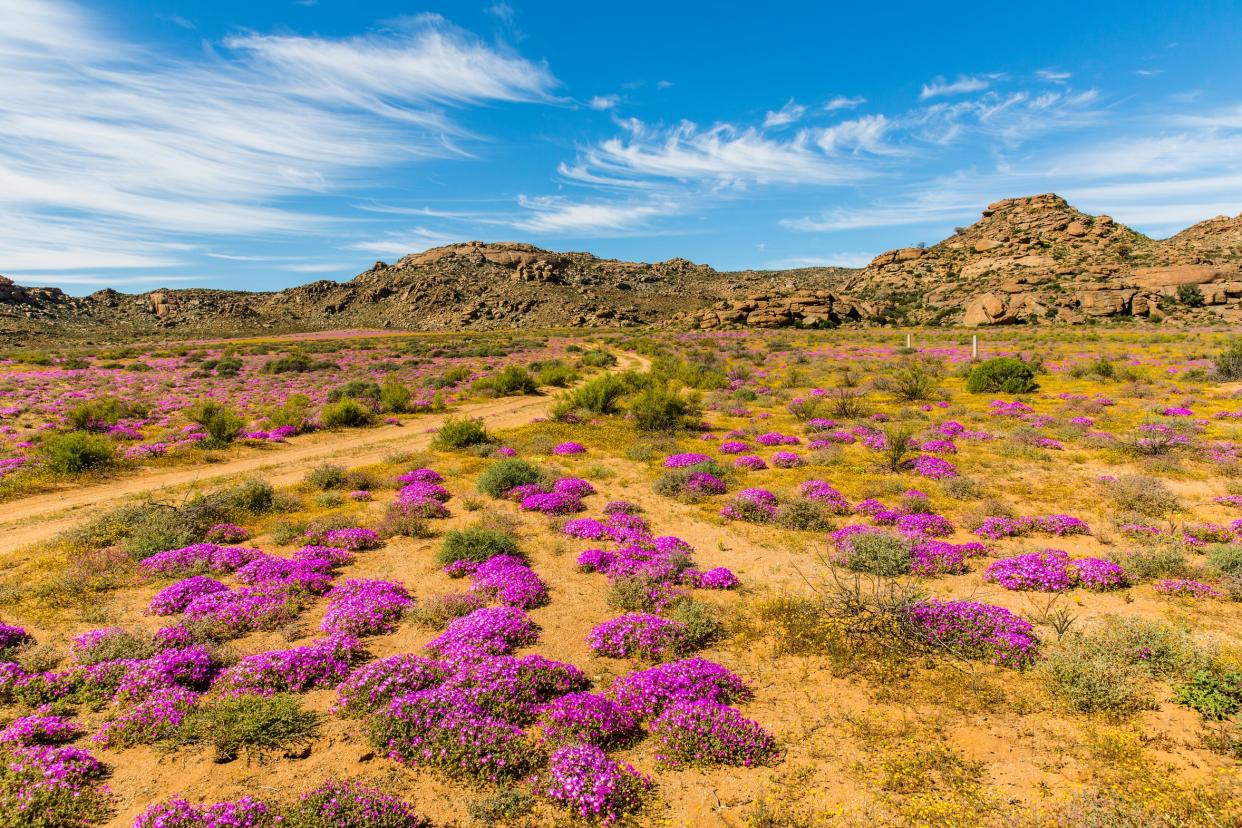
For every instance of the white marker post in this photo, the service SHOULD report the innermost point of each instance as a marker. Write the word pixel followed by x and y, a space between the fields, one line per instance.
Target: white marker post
pixel 908 345
pixel 974 346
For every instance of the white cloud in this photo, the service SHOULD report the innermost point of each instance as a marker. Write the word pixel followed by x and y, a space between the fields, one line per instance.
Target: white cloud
pixel 603 102
pixel 844 102
pixel 1053 75
pixel 723 155
pixel 854 259
pixel 116 150
pixel 865 134
pixel 563 216
pixel 790 113
pixel 110 280
pixel 940 87
pixel 399 243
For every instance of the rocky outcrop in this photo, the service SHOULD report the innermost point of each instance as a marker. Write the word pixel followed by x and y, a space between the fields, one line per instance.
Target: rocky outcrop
pixel 1037 260
pixel 805 309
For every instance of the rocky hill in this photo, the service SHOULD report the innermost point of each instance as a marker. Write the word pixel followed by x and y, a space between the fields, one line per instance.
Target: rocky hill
pixel 1037 259
pixel 1033 260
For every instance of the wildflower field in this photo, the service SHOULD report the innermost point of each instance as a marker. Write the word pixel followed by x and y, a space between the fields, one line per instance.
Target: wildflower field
pixel 786 578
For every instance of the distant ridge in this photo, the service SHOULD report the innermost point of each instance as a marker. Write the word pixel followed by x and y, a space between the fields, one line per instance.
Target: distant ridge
pixel 1030 260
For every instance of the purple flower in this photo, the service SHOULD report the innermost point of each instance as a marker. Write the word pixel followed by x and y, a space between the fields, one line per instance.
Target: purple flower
pixel 177 813
pixel 639 635
pixel 365 607
pixel 681 461
pixel 569 447
pixel 1046 571
pixel 978 631
pixel 492 630
pixel 325 662
pixel 647 693
pixel 584 779
pixel 586 717
pixel 704 733
pixel 1186 588
pixel 174 599
pixel 373 686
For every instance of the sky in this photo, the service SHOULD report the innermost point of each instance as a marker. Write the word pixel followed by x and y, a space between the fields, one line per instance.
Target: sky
pixel 260 144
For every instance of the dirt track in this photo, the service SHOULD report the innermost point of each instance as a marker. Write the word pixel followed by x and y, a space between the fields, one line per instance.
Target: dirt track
pixel 34 519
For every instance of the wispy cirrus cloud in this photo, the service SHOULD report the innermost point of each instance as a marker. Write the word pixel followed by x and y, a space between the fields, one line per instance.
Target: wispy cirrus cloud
pixel 131 150
pixel 790 113
pixel 843 102
pixel 963 84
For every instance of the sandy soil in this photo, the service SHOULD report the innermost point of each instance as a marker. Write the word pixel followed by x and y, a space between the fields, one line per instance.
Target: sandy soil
pixel 35 519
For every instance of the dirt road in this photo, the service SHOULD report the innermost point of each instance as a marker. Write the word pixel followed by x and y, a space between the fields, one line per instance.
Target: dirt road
pixel 34 519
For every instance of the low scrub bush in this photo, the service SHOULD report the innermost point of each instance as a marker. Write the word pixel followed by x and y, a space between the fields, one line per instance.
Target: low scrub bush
pixel 509 381
pixel 76 452
pixel 346 413
pixel 475 544
pixel 659 408
pixel 457 433
pixel 503 475
pixel 221 423
pixel 601 395
pixel 1002 375
pixel 255 726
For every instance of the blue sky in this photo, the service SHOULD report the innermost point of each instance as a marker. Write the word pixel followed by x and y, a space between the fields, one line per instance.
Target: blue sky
pixel 266 143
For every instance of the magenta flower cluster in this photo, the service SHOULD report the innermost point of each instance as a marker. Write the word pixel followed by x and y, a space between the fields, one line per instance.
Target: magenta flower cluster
pixel 977 630
pixel 365 607
pixel 639 635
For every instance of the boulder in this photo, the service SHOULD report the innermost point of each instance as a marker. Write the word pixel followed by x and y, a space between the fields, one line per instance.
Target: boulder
pixel 984 309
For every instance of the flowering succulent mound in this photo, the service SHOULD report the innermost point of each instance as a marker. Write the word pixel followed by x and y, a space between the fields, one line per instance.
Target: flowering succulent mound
pixel 647 692
pixel 718 578
pixel 569 447
pixel 821 492
pixel 372 686
pixel 236 612
pixel 640 635
pixel 226 533
pixel 346 804
pixel 322 663
pixel 174 599
pixel 977 630
pixel 354 539
pixel 40 730
pixel 152 719
pixel 365 607
pixel 11 638
pixel 199 558
pixel 704 733
pixel 1186 588
pixel 51 786
pixel 586 717
pixel 584 779
pixel 178 813
pixel 491 630
pixel 552 503
pixel 445 729
pixel 510 581
pixel 1046 571
pixel 512 687
pixel 1098 574
pixel 933 557
pixel 751 505
pixel 685 460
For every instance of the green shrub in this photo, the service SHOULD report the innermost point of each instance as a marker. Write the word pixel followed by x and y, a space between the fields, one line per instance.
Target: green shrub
pixel 510 380
pixel 912 382
pixel 475 544
pixel 438 611
pixel 805 515
pixel 1007 375
pixel 326 476
pixel 1215 694
pixel 293 412
pixel 502 807
pixel 459 433
pixel 601 395
pixel 702 622
pixel 1229 361
pixel 102 413
pixel 1165 561
pixel 554 373
pixel 296 363
pixel 252 725
pixel 503 475
pixel 1143 495
pixel 76 452
pixel 221 423
pixel 1110 668
pixel 159 528
pixel 1225 558
pixel 598 358
pixel 121 646
pixel 367 391
pixel 346 413
pixel 394 396
pixel 660 408
pixel 879 553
